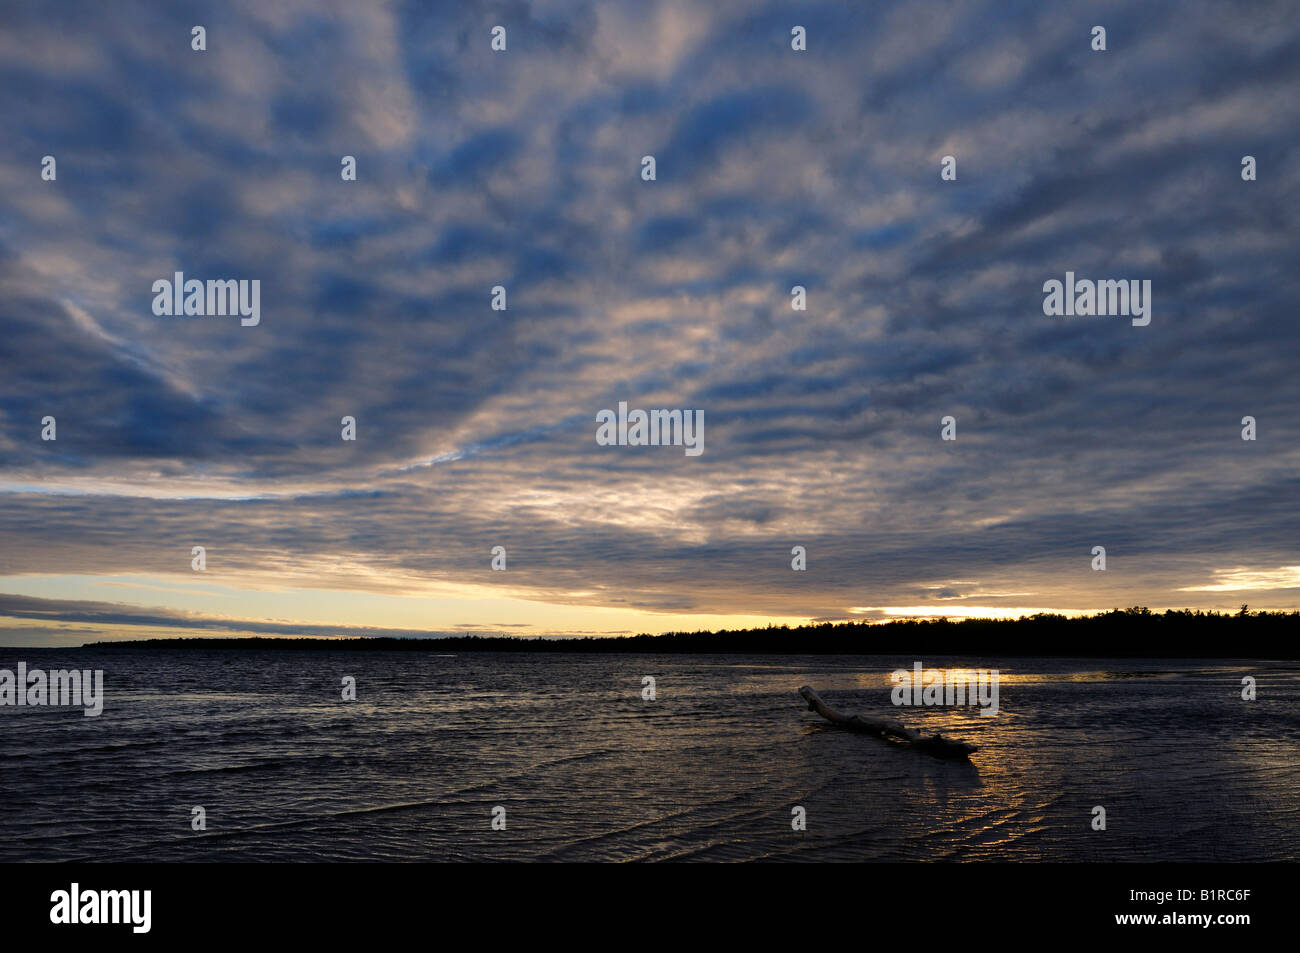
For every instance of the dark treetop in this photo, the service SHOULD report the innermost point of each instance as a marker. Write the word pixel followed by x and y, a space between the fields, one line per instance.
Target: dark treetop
pixel 1126 633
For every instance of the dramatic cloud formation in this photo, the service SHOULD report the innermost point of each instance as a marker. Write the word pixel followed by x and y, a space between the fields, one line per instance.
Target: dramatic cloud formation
pixel 775 168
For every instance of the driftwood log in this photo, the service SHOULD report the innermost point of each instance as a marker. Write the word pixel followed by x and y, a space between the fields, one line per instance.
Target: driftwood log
pixel 887 728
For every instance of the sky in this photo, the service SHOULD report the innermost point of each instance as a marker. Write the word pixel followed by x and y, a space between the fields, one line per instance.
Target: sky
pixel 522 168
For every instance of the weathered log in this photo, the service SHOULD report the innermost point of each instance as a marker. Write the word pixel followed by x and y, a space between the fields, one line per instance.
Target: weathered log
pixel 887 728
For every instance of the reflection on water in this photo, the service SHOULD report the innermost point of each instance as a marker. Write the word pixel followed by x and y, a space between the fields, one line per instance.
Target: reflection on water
pixel 587 770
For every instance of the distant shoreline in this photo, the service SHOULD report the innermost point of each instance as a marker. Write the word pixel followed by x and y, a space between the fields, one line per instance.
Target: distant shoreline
pixel 1121 633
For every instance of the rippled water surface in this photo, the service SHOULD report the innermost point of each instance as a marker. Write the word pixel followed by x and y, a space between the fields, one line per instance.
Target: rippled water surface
pixel 587 770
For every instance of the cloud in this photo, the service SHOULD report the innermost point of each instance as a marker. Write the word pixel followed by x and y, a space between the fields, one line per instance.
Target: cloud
pixel 776 168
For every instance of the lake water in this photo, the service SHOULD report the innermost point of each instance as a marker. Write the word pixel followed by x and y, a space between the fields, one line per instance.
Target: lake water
pixel 587 770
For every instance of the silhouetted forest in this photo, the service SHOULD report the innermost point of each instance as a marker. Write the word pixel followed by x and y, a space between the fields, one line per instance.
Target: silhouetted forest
pixel 1121 633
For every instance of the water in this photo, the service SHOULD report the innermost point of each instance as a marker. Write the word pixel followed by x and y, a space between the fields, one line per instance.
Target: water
pixel 587 770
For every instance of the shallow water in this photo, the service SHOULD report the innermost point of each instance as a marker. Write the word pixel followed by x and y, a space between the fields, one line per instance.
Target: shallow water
pixel 587 770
